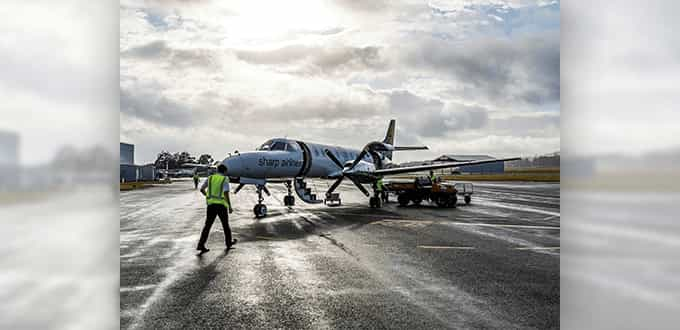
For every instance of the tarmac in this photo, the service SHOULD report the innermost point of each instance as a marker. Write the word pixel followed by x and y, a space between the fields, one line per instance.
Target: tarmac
pixel 492 264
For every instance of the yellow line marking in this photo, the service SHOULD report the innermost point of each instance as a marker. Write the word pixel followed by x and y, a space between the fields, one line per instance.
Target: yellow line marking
pixel 538 248
pixel 446 247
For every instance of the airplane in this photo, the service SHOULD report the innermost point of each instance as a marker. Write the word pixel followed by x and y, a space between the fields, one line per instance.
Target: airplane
pixel 282 160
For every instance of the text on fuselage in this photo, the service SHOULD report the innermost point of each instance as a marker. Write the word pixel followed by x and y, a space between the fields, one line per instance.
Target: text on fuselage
pixel 279 162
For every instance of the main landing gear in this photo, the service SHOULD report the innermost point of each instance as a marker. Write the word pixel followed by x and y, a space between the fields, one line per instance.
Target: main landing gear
pixel 260 209
pixel 375 201
pixel 289 200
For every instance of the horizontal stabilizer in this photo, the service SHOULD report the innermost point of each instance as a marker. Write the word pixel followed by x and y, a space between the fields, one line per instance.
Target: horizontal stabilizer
pixel 411 148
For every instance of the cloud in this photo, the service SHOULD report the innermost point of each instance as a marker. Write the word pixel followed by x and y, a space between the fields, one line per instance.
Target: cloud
pixel 147 103
pixel 159 50
pixel 522 70
pixel 317 60
pixel 430 117
pixel 449 73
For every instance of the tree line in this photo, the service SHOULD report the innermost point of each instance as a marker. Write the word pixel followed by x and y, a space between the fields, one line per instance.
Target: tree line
pixel 177 159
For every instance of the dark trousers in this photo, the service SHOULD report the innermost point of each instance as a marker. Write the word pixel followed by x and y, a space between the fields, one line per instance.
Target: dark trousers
pixel 213 211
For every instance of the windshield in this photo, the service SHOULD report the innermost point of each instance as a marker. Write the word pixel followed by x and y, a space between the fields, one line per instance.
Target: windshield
pixel 280 146
pixel 266 146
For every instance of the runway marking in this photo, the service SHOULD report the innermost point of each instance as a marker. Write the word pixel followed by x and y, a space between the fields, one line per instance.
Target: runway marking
pixel 436 247
pixel 538 248
pixel 502 225
pixel 488 202
pixel 427 222
pixel 138 288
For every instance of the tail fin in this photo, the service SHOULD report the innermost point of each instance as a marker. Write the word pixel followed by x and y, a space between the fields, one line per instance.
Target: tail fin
pixel 389 138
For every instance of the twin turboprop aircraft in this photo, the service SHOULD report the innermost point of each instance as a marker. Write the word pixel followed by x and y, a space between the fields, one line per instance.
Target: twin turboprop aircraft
pixel 285 161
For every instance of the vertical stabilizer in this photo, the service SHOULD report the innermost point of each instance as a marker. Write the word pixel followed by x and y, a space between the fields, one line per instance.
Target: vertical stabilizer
pixel 389 138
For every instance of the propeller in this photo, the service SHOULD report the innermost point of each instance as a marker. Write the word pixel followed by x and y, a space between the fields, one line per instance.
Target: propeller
pixel 339 180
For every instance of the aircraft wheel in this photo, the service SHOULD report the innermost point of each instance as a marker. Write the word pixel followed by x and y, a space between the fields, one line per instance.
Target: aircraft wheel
pixel 442 201
pixel 468 199
pixel 288 200
pixel 260 210
pixel 403 199
pixel 416 200
pixel 453 199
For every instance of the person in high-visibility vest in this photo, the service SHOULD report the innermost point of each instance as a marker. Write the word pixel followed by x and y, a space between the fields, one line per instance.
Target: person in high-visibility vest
pixel 216 191
pixel 380 188
pixel 433 177
pixel 196 180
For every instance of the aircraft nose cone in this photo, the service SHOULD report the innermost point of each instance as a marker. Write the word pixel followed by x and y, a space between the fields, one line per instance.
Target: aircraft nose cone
pixel 234 165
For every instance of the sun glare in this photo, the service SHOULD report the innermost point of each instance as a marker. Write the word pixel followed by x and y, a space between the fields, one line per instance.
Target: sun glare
pixel 255 22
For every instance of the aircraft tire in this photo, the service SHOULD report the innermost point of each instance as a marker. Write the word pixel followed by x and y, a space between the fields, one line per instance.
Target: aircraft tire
pixel 468 199
pixel 288 200
pixel 403 199
pixel 260 210
pixel 442 201
pixel 453 199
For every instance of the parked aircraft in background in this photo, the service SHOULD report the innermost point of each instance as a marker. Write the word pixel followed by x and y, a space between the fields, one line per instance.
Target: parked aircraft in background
pixel 288 161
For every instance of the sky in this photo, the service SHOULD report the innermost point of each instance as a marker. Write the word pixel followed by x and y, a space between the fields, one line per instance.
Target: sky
pixel 462 77
pixel 58 76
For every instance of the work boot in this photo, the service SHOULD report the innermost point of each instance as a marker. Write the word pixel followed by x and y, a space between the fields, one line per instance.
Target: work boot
pixel 202 250
pixel 233 242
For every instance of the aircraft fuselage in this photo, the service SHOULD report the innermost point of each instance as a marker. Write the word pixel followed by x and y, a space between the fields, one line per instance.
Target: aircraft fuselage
pixel 286 158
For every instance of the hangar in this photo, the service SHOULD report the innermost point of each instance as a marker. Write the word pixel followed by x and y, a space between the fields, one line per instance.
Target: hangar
pixel 129 172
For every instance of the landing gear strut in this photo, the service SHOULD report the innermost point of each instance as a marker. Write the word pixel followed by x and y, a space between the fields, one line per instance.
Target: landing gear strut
pixel 375 201
pixel 289 200
pixel 260 209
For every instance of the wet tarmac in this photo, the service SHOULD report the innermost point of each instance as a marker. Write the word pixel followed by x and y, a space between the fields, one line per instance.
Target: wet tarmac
pixel 494 263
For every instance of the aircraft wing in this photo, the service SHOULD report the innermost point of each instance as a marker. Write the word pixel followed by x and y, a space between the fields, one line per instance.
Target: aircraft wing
pixel 409 169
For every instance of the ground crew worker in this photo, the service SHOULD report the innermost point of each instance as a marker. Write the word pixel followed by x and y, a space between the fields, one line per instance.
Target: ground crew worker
pixel 381 189
pixel 195 180
pixel 217 198
pixel 433 177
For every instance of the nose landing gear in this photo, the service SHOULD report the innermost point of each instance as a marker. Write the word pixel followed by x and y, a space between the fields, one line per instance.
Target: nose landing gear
pixel 289 200
pixel 260 209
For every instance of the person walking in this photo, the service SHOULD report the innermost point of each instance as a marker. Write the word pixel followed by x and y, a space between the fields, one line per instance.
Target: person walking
pixel 196 180
pixel 216 191
pixel 380 188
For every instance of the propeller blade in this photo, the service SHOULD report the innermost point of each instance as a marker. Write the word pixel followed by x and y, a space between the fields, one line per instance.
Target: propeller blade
pixel 363 190
pixel 332 157
pixel 335 185
pixel 359 157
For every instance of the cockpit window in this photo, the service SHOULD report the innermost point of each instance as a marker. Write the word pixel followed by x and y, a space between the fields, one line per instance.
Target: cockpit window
pixel 279 146
pixel 292 146
pixel 266 146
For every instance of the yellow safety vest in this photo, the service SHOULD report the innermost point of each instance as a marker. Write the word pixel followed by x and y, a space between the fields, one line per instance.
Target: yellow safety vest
pixel 215 193
pixel 379 184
